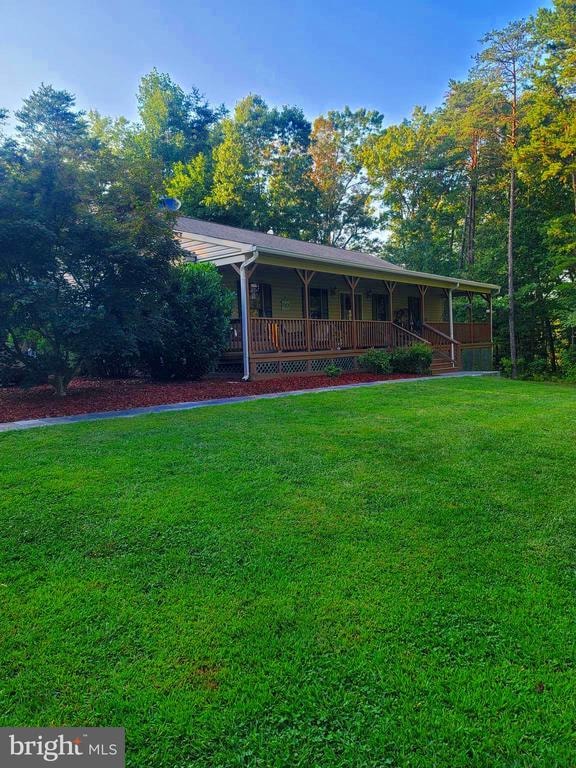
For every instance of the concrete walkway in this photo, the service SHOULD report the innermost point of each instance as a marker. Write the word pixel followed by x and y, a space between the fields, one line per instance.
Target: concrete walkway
pixel 11 426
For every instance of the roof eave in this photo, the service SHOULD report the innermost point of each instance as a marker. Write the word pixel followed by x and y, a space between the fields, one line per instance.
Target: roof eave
pixel 400 272
pixel 244 247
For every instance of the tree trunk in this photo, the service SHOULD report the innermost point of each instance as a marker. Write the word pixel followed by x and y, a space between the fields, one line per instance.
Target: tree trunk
pixel 471 251
pixel 512 308
pixel 467 255
pixel 60 385
pixel 465 234
pixel 551 344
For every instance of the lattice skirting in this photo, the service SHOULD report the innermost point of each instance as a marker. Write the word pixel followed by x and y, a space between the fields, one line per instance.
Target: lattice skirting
pixel 291 367
pixel 231 368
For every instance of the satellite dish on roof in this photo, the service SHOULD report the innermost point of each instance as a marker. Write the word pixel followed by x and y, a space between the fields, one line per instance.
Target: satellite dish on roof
pixel 169 203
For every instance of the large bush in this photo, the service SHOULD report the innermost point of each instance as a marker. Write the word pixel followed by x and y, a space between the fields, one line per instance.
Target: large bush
pixel 376 361
pixel 195 325
pixel 414 359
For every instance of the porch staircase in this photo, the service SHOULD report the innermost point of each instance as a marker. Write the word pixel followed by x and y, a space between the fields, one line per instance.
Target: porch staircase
pixel 441 364
pixel 441 344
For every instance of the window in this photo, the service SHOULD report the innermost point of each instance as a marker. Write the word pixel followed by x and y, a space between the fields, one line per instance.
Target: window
pixel 346 306
pixel 380 306
pixel 260 300
pixel 318 303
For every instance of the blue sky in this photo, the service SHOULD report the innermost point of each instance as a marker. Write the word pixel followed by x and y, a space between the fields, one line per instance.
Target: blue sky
pixel 318 54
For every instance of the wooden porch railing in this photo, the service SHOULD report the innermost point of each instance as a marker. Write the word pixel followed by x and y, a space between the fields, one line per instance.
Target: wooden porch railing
pixel 373 333
pixel 287 335
pixel 277 335
pixel 466 333
pixel 331 334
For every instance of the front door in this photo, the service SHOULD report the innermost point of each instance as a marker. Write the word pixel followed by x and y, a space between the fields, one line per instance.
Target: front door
pixel 380 306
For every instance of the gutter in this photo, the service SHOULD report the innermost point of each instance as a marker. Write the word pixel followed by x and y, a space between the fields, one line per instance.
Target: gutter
pixel 244 307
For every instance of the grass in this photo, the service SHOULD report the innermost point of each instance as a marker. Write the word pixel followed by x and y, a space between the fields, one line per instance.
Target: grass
pixel 376 577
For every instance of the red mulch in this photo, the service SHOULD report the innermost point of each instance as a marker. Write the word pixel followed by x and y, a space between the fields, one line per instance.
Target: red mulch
pixel 88 395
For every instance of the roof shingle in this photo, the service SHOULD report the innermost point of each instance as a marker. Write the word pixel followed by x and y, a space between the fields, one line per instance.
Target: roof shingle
pixel 276 242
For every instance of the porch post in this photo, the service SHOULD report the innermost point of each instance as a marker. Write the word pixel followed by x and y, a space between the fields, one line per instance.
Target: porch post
pixel 422 289
pixel 306 278
pixel 353 283
pixel 391 286
pixel 451 321
pixel 469 294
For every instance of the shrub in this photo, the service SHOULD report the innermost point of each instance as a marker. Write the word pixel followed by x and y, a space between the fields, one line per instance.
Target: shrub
pixel 414 359
pixel 506 367
pixel 333 371
pixel 568 363
pixel 376 361
pixel 195 325
pixel 537 369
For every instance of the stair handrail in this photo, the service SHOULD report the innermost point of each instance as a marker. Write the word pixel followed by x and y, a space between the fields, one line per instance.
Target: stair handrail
pixel 455 346
pixel 440 333
pixel 411 333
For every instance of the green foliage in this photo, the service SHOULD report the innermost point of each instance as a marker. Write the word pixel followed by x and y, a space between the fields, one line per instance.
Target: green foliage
pixel 568 363
pixel 539 368
pixel 345 214
pixel 443 178
pixel 174 125
pixel 376 361
pixel 194 327
pixel 333 371
pixel 83 257
pixel 261 168
pixel 414 359
pixel 189 183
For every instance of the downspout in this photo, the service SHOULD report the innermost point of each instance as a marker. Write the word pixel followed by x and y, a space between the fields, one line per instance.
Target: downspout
pixel 451 319
pixel 244 308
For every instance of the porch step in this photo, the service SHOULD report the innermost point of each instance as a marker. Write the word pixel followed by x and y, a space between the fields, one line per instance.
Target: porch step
pixel 443 366
pixel 440 364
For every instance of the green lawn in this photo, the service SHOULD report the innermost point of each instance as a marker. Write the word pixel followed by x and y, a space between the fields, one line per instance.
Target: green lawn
pixel 374 577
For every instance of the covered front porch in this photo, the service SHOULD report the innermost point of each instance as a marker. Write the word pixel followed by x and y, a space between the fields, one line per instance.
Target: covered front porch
pixel 299 320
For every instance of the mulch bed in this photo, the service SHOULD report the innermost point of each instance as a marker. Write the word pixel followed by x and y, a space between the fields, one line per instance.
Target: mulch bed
pixel 88 395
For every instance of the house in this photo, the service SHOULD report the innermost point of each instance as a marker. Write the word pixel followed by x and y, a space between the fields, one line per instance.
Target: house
pixel 300 306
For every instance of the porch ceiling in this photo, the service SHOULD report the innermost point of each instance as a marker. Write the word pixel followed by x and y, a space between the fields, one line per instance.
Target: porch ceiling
pixel 211 249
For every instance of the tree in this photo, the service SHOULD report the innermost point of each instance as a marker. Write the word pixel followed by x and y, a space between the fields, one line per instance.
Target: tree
pixel 259 164
pixel 81 264
pixel 505 62
pixel 190 183
pixel 420 188
pixel 472 116
pixel 174 125
pixel 195 325
pixel 345 215
pixel 547 160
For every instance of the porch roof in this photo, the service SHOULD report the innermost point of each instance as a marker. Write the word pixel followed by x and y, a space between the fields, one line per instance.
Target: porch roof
pixel 223 244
